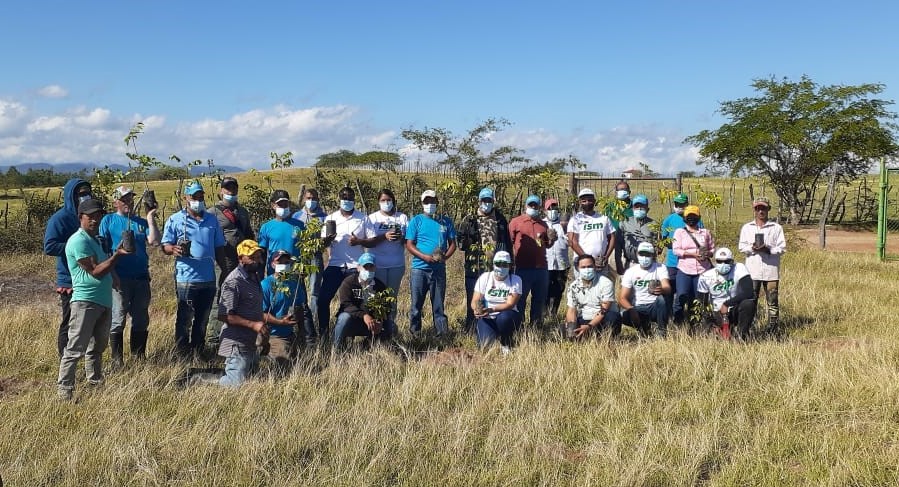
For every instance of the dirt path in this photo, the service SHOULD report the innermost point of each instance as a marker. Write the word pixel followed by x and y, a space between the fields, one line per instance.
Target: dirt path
pixel 842 240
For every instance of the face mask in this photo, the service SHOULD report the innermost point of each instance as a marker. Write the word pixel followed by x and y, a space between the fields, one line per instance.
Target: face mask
pixel 501 272
pixel 587 207
pixel 644 261
pixel 282 212
pixel 552 215
pixel 82 199
pixel 250 268
pixel 281 267
pixel 532 212
pixel 197 206
pixel 429 209
pixel 366 275
pixel 311 204
pixel 679 210
pixel 622 194
pixel 587 274
pixel 387 206
pixel 486 207
pixel 691 220
pixel 723 268
pixel 639 213
pixel 347 205
pixel 229 198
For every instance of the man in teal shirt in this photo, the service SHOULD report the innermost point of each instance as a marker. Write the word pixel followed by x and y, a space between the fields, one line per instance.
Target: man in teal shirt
pixel 93 276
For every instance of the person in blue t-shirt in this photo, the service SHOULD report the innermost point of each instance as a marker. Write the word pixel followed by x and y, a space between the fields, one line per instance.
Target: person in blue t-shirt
pixel 431 239
pixel 195 238
pixel 133 295
pixel 283 298
pixel 281 232
pixel 669 225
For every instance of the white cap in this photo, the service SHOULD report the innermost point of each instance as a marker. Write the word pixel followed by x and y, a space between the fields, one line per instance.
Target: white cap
pixel 502 256
pixel 586 192
pixel 429 193
pixel 121 192
pixel 724 253
pixel 646 247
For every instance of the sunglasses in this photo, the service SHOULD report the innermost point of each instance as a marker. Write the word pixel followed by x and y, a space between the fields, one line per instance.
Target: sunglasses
pixel 502 265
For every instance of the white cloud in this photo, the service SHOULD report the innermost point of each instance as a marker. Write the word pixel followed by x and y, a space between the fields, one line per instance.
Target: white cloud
pixel 53 91
pixel 12 117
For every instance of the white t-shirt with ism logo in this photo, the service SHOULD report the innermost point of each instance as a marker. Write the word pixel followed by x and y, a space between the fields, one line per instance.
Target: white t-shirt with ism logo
pixel 721 287
pixel 593 232
pixel 638 279
pixel 388 255
pixel 496 292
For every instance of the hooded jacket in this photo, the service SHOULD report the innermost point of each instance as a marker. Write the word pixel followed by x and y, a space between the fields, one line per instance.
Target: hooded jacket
pixel 60 227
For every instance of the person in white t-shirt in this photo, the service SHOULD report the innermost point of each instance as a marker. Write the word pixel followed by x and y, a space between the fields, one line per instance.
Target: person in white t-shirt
pixel 494 303
pixel 556 257
pixel 344 249
pixel 643 287
pixel 591 232
pixel 728 288
pixel 591 301
pixel 385 232
pixel 762 242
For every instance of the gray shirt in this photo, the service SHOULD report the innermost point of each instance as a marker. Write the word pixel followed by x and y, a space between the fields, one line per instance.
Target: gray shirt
pixel 235 231
pixel 241 295
pixel 634 231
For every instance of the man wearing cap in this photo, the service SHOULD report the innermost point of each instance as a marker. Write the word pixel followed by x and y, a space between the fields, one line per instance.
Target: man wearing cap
pixel 641 298
pixel 431 239
pixel 353 316
pixel 531 237
pixel 93 278
pixel 591 300
pixel 312 209
pixel 618 210
pixel 763 242
pixel 60 227
pixel 283 299
pixel 133 294
pixel 240 309
pixel 669 225
pixel 344 249
pixel 481 234
pixel 557 262
pixel 193 236
pixel 728 289
pixel 635 229
pixel 281 232
pixel 591 232
pixel 495 303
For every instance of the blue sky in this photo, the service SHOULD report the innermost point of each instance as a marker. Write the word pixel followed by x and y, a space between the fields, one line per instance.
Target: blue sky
pixel 613 84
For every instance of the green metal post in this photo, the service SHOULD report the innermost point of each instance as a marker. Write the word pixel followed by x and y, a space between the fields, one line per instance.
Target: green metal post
pixel 882 213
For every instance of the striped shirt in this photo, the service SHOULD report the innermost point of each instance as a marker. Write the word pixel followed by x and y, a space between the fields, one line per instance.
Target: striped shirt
pixel 241 295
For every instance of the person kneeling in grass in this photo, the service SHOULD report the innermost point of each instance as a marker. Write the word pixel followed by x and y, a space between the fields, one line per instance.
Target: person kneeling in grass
pixel 283 299
pixel 240 309
pixel 354 319
pixel 590 301
pixel 728 288
pixel 643 287
pixel 494 302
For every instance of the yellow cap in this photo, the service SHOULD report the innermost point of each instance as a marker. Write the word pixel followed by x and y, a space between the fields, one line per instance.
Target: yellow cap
pixel 691 210
pixel 248 247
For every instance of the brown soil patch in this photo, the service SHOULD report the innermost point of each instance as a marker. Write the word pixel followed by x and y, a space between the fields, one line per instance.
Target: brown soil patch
pixel 452 356
pixel 835 344
pixel 26 289
pixel 842 240
pixel 10 386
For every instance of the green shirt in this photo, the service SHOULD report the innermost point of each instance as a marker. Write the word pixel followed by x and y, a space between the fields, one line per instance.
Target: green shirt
pixel 86 287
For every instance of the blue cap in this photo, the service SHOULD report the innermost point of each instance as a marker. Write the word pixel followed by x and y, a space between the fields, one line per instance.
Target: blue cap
pixel 640 198
pixel 532 199
pixel 485 193
pixel 366 259
pixel 192 188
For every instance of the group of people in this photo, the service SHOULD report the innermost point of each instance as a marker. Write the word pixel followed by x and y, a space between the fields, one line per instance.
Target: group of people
pixel 270 299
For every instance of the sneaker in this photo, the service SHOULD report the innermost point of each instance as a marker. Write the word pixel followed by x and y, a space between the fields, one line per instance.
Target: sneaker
pixel 505 350
pixel 65 395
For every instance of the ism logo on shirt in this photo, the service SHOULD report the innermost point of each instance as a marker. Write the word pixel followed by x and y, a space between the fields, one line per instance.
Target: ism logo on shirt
pixel 501 293
pixel 641 283
pixel 723 286
pixel 592 226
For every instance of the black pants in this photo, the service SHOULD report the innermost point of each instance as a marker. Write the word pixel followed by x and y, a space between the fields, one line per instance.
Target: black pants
pixel 555 291
pixel 63 338
pixel 740 315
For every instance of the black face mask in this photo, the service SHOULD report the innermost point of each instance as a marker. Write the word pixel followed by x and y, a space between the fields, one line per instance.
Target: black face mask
pixel 587 207
pixel 691 220
pixel 250 268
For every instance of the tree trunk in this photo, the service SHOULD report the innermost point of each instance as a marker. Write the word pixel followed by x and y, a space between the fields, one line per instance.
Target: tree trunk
pixel 828 202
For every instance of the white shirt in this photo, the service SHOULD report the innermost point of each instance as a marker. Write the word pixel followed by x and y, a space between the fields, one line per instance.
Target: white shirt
pixel 388 255
pixel 592 232
pixel 637 278
pixel 721 287
pixel 342 254
pixel 587 299
pixel 763 266
pixel 557 255
pixel 496 292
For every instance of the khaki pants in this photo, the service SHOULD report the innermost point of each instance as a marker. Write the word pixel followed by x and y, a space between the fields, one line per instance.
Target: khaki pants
pixel 89 326
pixel 283 352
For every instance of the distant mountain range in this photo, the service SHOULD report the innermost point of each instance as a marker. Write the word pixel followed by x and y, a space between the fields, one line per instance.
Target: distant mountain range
pixel 70 167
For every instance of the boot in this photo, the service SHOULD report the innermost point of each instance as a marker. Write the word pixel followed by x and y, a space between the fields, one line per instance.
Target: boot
pixel 117 347
pixel 139 344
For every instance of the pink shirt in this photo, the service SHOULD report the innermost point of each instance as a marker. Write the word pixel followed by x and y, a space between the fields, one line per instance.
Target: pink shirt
pixel 683 244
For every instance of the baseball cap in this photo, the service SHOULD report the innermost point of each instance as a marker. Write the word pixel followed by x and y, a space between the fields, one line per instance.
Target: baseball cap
pixel 121 192
pixel 486 193
pixel 724 253
pixel 428 193
pixel 279 195
pixel 586 192
pixel 691 210
pixel 89 207
pixel 502 256
pixel 549 203
pixel 646 247
pixel 278 254
pixel 640 199
pixel 532 199
pixel 229 181
pixel 681 198
pixel 193 188
pixel 248 247
pixel 761 201
pixel 365 259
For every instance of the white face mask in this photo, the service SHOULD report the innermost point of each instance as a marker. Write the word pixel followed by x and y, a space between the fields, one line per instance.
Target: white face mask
pixel 366 275
pixel 430 208
pixel 197 206
pixel 622 194
pixel 282 212
pixel 311 204
pixel 679 210
pixel 229 198
pixel 82 199
pixel 644 261
pixel 386 206
pixel 552 215
pixel 281 267
pixel 587 274
pixel 501 272
pixel 723 268
pixel 532 212
pixel 347 205
pixel 486 207
pixel 639 213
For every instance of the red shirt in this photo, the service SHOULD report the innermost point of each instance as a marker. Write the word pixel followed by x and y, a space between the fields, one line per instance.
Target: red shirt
pixel 529 242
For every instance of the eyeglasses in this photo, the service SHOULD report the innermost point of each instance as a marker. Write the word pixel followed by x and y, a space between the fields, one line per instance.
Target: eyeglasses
pixel 502 265
pixel 645 254
pixel 724 261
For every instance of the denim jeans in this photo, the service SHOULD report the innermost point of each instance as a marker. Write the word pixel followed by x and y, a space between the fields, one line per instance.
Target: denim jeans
pixel 686 293
pixel 655 312
pixel 501 327
pixel 349 326
pixel 392 277
pixel 332 276
pixel 611 321
pixel 422 282
pixel 669 298
pixel 132 299
pixel 239 366
pixel 194 302
pixel 534 282
pixel 88 337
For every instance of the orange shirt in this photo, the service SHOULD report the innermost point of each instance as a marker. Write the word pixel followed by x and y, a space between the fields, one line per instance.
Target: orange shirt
pixel 529 242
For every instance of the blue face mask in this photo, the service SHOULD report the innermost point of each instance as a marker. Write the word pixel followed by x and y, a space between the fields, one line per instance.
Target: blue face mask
pixel 486 207
pixel 532 212
pixel 229 198
pixel 366 275
pixel 430 208
pixel 622 194
pixel 347 205
pixel 723 268
pixel 587 274
pixel 386 206
pixel 197 206
pixel 501 272
pixel 82 199
pixel 639 213
pixel 644 260
pixel 311 204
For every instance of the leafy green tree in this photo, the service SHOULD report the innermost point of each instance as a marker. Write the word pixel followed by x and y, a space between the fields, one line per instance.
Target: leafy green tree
pixel 796 133
pixel 341 159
